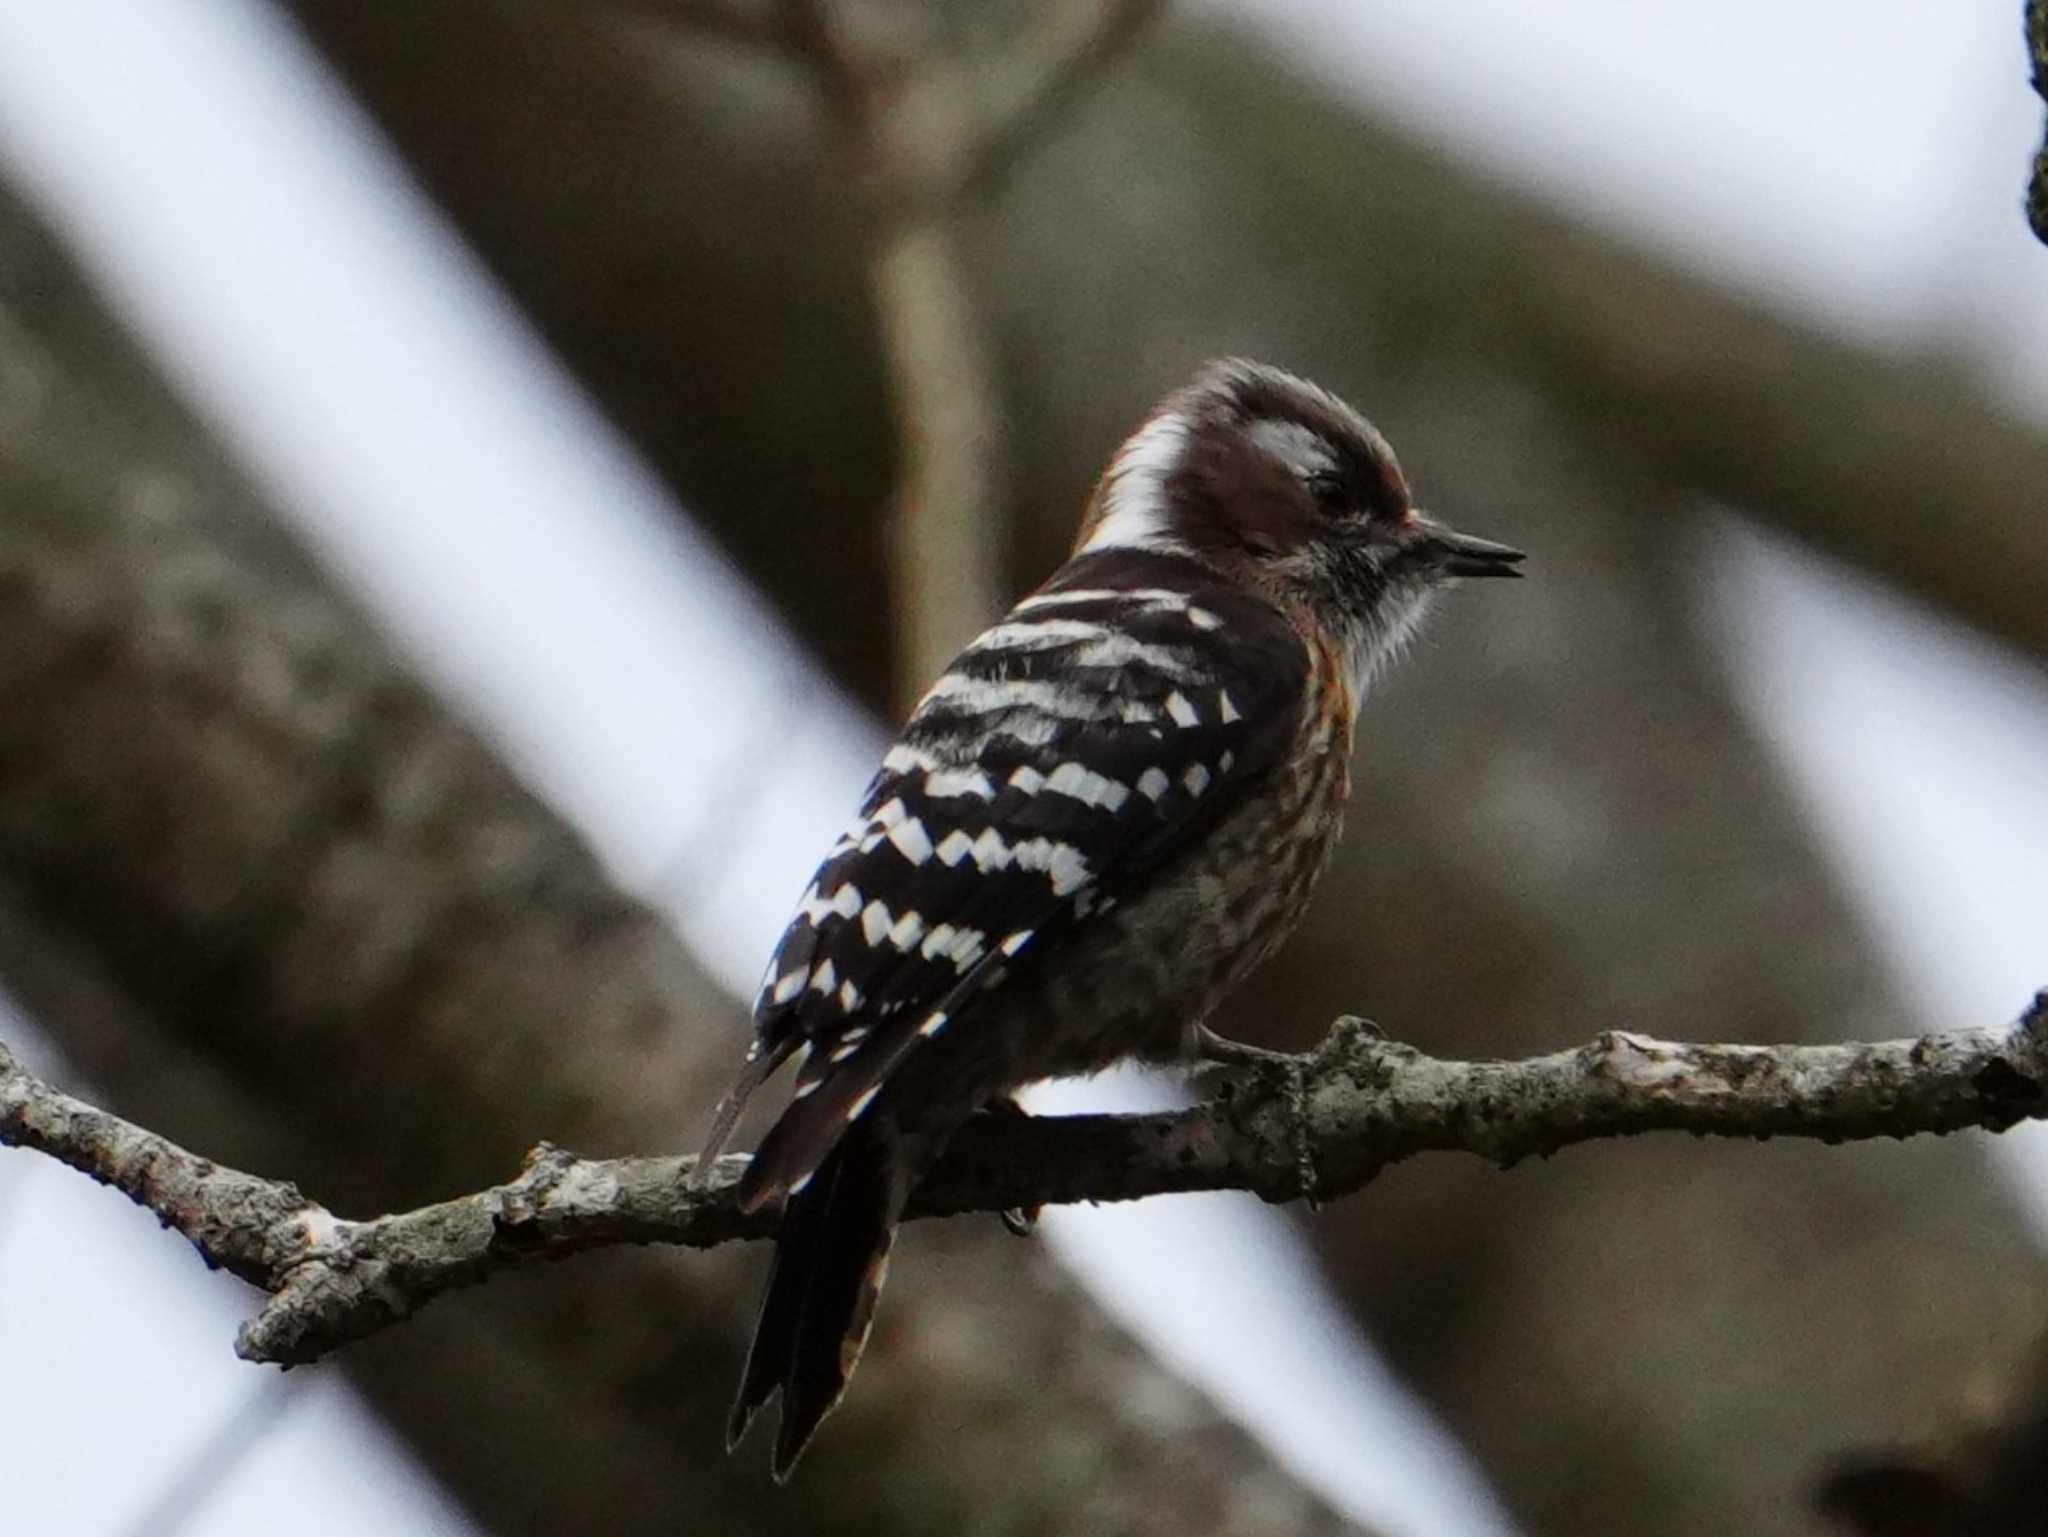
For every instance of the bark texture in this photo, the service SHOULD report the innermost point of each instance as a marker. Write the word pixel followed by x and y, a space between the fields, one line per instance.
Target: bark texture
pixel 1311 1127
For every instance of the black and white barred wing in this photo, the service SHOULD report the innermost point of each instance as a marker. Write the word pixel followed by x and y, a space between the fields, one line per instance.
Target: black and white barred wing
pixel 1069 752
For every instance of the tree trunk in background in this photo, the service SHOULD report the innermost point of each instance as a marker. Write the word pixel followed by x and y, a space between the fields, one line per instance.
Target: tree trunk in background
pixel 285 909
pixel 1562 823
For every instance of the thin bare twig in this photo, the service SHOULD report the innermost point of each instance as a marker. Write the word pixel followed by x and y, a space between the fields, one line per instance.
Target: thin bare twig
pixel 1316 1126
pixel 922 142
pixel 1056 70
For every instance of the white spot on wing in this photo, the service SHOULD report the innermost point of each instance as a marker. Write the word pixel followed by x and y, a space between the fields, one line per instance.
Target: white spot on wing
pixel 989 696
pixel 1202 619
pixel 933 1025
pixel 825 978
pixel 1182 712
pixel 854 1110
pixel 903 758
pixel 1036 635
pixel 1062 863
pixel 1027 779
pixel 990 851
pixel 1124 651
pixel 954 847
pixel 1228 706
pixel 1143 597
pixel 1153 782
pixel 1016 941
pixel 1196 779
pixel 849 999
pixel 943 784
pixel 911 841
pixel 907 930
pixel 1085 785
pixel 874 921
pixel 792 984
pixel 936 941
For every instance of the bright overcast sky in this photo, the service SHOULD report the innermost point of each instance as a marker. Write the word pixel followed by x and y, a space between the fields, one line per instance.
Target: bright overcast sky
pixel 1858 158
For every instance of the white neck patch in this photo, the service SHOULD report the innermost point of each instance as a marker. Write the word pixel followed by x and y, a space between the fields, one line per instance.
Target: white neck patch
pixel 1134 494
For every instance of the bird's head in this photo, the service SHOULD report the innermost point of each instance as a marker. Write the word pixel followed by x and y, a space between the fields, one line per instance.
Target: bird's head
pixel 1289 491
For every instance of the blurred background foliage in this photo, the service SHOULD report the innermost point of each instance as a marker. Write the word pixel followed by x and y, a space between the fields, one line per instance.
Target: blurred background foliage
pixel 1563 821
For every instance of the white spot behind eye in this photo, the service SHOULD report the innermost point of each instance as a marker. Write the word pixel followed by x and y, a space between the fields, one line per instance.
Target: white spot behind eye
pixel 1302 449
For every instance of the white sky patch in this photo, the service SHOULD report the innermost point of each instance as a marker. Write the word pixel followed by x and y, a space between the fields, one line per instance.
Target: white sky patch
pixel 1291 1364
pixel 1863 160
pixel 438 457
pixel 1919 751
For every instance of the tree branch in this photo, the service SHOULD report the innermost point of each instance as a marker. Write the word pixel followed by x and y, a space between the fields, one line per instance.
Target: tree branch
pixel 2037 50
pixel 1314 1126
pixel 1069 54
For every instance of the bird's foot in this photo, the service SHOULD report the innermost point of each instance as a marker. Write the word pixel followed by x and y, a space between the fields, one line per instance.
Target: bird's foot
pixel 1291 1072
pixel 1021 1221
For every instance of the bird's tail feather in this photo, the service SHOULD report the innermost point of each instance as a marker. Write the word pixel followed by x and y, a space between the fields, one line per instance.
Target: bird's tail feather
pixel 830 1257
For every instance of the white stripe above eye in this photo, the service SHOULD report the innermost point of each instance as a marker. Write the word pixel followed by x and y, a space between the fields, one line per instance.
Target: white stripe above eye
pixel 1134 507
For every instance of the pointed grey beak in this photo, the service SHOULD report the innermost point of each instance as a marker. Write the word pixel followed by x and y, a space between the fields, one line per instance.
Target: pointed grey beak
pixel 1463 555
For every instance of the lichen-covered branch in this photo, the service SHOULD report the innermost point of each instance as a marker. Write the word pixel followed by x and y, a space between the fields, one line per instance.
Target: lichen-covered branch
pixel 1315 1126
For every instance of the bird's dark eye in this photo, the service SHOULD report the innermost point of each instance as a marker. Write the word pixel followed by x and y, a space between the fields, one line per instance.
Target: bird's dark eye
pixel 1330 493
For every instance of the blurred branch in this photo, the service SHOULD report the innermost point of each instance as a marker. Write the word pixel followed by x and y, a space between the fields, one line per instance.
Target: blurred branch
pixel 1977 1473
pixel 1318 1125
pixel 926 142
pixel 2037 47
pixel 1076 47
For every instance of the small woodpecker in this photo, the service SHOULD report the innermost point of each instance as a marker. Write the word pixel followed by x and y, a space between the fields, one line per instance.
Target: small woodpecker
pixel 1109 809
